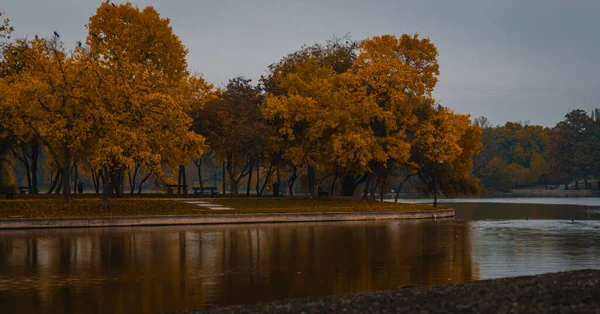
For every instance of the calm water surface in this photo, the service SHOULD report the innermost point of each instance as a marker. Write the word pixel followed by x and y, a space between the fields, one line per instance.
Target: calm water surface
pixel 161 269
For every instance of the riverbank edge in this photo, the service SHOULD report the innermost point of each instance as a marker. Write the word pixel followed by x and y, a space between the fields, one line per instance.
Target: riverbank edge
pixel 575 291
pixel 125 221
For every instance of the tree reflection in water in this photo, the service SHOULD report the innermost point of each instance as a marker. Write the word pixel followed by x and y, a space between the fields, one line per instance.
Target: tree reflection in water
pixel 161 269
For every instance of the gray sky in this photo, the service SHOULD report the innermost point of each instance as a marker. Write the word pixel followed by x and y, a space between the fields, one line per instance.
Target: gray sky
pixel 508 60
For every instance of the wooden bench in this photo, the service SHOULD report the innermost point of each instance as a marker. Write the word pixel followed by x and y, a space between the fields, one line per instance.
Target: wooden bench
pixel 198 192
pixel 24 189
pixel 322 193
pixel 172 187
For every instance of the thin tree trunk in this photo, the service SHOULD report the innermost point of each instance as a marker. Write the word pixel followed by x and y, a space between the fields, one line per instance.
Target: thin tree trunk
pixel 382 187
pixel 35 153
pixel 106 189
pixel 25 162
pixel 276 184
pixel 67 173
pixel 374 188
pixel 94 180
pixel 249 179
pixel 184 180
pixel 142 183
pixel 366 189
pixel 133 178
pixel 76 181
pixel 257 178
pixel 400 187
pixel 179 180
pixel 60 183
pixel 267 178
pixel 311 181
pixel 54 182
pixel 292 180
pixel 224 186
pixel 332 189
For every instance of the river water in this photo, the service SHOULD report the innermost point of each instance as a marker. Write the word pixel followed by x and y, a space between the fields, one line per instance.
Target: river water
pixel 162 269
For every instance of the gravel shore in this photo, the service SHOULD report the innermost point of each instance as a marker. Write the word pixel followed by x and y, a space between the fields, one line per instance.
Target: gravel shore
pixel 564 292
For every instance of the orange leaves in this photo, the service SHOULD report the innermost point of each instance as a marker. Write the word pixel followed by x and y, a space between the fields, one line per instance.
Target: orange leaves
pixel 345 107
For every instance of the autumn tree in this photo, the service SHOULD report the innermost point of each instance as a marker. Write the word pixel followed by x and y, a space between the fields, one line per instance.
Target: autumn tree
pixel 140 83
pixel 400 74
pixel 47 101
pixel 234 129
pixel 442 152
pixel 569 154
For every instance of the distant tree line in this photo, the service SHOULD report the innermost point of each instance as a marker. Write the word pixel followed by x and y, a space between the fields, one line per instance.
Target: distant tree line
pixel 518 155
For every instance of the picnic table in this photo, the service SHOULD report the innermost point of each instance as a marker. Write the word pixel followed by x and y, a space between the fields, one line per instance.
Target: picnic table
pixel 199 191
pixel 171 187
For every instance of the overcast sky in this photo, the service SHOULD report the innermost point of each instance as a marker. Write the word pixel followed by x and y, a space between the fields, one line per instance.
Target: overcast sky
pixel 508 60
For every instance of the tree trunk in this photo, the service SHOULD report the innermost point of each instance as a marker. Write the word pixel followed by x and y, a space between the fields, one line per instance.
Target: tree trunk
pixel 257 178
pixel 54 182
pixel 142 183
pixel 249 180
pixel 332 189
pixel 311 181
pixel 292 180
pixel 224 186
pixel 106 189
pixel 267 178
pixel 400 187
pixel 67 173
pixel 23 159
pixel 133 178
pixel 179 180
pixel 76 180
pixel 60 183
pixel 184 180
pixel 35 154
pixel 382 187
pixel 350 183
pixel 276 184
pixel 367 186
pixel 374 188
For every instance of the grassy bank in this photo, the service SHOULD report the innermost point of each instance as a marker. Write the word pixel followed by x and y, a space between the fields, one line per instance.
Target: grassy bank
pixel 90 206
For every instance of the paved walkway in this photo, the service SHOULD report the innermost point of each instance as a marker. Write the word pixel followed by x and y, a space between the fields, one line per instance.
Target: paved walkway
pixel 205 204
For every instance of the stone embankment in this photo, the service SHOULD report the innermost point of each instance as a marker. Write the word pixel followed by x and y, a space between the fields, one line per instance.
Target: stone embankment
pixel 204 219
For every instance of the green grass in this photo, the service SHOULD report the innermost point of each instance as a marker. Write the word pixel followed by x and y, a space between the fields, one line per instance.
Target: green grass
pixel 45 206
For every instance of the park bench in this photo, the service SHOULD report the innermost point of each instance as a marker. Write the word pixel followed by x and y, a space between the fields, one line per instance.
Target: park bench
pixel 199 191
pixel 174 187
pixel 24 189
pixel 322 193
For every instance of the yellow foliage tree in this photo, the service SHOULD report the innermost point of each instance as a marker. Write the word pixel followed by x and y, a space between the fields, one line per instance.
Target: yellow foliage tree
pixel 140 82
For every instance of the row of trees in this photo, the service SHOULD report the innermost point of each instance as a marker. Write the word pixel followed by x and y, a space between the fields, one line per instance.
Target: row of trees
pixel 518 154
pixel 123 105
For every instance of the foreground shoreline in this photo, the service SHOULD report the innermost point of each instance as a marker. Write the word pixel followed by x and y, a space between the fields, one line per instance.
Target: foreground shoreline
pixel 131 221
pixel 565 292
